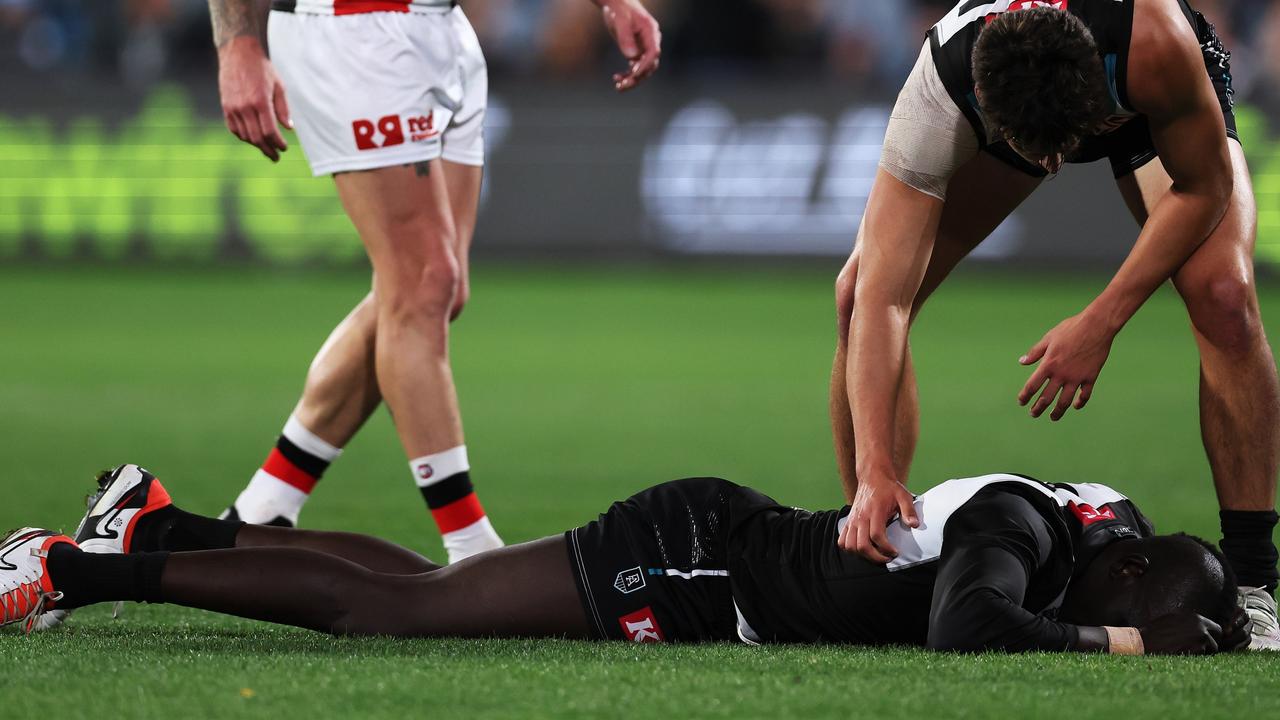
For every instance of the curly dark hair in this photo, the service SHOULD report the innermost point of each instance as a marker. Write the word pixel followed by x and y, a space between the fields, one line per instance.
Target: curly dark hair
pixel 1040 81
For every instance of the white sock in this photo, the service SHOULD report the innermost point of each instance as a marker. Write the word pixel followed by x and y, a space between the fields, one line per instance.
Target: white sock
pixel 444 479
pixel 286 479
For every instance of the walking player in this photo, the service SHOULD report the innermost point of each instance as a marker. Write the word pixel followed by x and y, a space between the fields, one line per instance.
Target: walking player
pixel 389 97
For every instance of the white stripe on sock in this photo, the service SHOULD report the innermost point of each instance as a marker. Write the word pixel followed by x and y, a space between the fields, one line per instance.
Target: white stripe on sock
pixel 473 539
pixel 268 497
pixel 299 435
pixel 431 469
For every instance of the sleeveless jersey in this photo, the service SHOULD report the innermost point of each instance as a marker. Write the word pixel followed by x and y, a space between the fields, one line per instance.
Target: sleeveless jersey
pixel 792 583
pixel 952 40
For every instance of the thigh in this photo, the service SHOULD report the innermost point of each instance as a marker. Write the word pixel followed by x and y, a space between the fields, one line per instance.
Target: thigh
pixel 525 590
pixel 403 215
pixel 463 183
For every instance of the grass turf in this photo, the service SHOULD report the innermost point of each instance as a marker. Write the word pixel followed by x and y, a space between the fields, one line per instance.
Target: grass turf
pixel 578 387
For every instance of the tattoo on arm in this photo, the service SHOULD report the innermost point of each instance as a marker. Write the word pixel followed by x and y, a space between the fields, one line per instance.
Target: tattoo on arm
pixel 235 18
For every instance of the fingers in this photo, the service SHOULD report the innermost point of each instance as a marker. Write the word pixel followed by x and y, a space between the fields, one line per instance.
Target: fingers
pixel 907 509
pixel 1033 385
pixel 1046 398
pixel 866 547
pixel 1211 632
pixel 880 541
pixel 640 41
pixel 282 107
pixel 1064 401
pixel 1036 352
pixel 1086 390
pixel 272 142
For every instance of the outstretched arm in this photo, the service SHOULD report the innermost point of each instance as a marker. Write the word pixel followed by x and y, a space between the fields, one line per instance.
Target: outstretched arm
pixel 253 101
pixel 1177 97
pixel 894 245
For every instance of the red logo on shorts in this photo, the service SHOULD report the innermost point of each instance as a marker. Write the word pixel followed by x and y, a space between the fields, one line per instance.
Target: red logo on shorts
pixel 1088 515
pixel 422 127
pixel 640 626
pixel 388 126
pixel 389 130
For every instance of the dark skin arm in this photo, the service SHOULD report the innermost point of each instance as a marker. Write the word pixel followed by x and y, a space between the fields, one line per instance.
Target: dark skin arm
pixel 1176 95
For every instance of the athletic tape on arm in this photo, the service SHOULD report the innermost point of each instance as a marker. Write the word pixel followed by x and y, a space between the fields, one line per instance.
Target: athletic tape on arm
pixel 928 138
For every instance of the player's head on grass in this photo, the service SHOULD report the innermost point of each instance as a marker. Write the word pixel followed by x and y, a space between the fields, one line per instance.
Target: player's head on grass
pixel 1137 580
pixel 1040 83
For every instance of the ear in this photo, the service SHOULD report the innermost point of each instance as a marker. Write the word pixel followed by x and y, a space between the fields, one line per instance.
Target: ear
pixel 1132 565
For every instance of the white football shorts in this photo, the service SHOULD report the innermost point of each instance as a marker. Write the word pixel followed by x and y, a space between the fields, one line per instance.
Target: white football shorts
pixel 379 89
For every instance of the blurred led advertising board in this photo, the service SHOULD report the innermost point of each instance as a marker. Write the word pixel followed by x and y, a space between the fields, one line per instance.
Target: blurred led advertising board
pixel 573 172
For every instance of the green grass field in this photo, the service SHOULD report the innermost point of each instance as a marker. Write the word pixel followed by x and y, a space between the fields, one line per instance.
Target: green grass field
pixel 578 387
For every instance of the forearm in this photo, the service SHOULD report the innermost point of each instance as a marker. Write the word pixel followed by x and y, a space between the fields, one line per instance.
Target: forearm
pixel 1178 226
pixel 237 18
pixel 877 355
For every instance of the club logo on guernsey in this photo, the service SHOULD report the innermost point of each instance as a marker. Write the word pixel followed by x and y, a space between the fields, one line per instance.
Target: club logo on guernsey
pixel 425 472
pixel 629 581
pixel 640 626
pixel 1088 515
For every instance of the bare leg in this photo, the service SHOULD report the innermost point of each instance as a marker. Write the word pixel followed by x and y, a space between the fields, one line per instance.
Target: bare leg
pixel 1239 390
pixel 521 591
pixel 971 213
pixel 371 553
pixel 403 217
pixel 341 391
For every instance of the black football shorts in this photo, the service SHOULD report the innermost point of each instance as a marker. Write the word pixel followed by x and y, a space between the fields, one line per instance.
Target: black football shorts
pixel 653 567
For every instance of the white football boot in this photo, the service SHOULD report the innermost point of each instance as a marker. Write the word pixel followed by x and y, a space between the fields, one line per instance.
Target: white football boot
pixel 26 592
pixel 124 495
pixel 1260 606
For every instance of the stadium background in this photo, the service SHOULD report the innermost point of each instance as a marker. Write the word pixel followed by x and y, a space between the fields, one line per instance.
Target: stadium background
pixel 651 299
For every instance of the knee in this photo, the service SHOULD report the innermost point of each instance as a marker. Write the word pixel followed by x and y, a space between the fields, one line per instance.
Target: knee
pixel 1224 311
pixel 420 290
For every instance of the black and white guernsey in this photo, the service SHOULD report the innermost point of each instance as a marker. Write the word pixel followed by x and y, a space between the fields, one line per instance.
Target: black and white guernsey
pixel 1001 536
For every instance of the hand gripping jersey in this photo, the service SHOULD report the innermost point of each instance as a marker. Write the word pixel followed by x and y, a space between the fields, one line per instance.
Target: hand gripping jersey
pixel 792 583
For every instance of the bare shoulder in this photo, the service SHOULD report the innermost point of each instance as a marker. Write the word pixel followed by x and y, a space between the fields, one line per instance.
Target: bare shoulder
pixel 1165 65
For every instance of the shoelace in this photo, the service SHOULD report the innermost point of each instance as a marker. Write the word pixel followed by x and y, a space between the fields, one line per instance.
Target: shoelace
pixel 1260 613
pixel 26 602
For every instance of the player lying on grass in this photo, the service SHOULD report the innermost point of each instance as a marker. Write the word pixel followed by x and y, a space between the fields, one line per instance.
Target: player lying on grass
pixel 998 562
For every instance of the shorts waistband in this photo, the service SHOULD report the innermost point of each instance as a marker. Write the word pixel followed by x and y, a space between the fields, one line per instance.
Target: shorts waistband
pixel 356 7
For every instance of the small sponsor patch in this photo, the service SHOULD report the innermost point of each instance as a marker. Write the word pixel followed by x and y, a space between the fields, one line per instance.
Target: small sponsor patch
pixel 629 581
pixel 1088 515
pixel 640 626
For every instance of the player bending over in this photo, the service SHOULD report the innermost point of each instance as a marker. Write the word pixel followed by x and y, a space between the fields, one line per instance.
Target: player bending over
pixel 1005 92
pixel 999 562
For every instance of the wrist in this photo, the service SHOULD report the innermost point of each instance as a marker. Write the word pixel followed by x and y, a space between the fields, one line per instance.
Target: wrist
pixel 875 470
pixel 1104 312
pixel 238 44
pixel 1124 641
